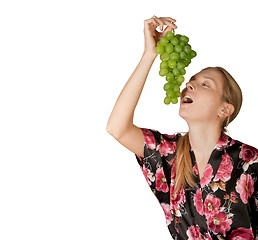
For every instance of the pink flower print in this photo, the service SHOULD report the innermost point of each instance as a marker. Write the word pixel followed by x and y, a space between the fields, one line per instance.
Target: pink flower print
pixel 167 211
pixel 170 135
pixel 207 176
pixel 165 147
pixel 245 187
pixel 249 155
pixel 145 173
pixel 241 234
pixel 225 169
pixel 173 172
pixel 195 168
pixel 207 236
pixel 198 202
pixel 149 176
pixel 149 138
pixel 177 200
pixel 211 205
pixel 219 223
pixel 161 181
pixel 193 233
pixel 222 142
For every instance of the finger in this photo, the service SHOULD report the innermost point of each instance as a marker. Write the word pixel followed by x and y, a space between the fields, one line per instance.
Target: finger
pixel 170 24
pixel 161 24
pixel 169 19
pixel 151 21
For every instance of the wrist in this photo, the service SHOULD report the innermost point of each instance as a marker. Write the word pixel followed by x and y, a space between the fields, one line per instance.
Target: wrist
pixel 150 55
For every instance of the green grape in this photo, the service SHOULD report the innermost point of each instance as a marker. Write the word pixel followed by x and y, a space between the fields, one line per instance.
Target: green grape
pixel 174 56
pixel 174 100
pixel 178 94
pixel 163 72
pixel 163 64
pixel 169 34
pixel 167 100
pixel 170 76
pixel 167 86
pixel 169 48
pixel 193 54
pixel 165 56
pixel 172 63
pixel 180 79
pixel 176 88
pixel 176 71
pixel 187 48
pixel 163 41
pixel 170 93
pixel 160 49
pixel 184 39
pixel 181 43
pixel 178 36
pixel 174 41
pixel 182 71
pixel 180 65
pixel 178 48
pixel 182 54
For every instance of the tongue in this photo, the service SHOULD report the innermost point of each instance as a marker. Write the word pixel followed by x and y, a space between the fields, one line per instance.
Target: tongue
pixel 189 100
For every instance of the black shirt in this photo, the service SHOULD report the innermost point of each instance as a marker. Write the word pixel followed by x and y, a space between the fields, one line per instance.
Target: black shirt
pixel 224 203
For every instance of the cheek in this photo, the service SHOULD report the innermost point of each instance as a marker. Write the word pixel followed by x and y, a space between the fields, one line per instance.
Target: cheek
pixel 208 103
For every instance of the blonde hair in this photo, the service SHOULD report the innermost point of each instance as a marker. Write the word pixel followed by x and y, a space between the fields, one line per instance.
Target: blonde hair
pixel 184 170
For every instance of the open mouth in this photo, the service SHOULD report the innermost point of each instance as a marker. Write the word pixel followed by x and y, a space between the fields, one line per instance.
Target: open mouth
pixel 187 99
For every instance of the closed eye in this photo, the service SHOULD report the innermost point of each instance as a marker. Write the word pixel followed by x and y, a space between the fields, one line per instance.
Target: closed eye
pixel 204 84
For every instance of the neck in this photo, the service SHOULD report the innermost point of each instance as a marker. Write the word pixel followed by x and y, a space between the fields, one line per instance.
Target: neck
pixel 203 138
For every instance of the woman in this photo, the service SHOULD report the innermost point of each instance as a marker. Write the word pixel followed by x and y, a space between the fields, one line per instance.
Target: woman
pixel 205 181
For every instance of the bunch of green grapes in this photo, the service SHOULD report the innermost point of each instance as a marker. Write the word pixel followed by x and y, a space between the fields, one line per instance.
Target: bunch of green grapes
pixel 176 54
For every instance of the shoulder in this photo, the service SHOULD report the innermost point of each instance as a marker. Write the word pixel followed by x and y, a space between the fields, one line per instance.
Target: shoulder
pixel 246 154
pixel 164 143
pixel 151 135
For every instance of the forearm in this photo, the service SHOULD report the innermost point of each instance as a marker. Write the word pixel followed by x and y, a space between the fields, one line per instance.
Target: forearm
pixel 122 115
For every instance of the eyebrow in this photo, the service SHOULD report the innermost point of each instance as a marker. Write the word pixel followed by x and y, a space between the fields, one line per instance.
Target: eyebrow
pixel 193 78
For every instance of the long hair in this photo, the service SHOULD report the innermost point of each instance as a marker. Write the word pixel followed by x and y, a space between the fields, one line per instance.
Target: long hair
pixel 184 170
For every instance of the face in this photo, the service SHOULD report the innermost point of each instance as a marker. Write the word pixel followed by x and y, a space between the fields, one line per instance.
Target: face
pixel 205 89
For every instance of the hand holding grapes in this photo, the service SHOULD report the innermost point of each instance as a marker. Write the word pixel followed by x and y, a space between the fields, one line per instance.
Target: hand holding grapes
pixel 152 36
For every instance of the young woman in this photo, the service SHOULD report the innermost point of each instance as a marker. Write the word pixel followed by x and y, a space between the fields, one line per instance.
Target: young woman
pixel 205 181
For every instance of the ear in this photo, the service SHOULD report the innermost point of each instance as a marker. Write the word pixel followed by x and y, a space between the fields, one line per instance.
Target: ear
pixel 226 110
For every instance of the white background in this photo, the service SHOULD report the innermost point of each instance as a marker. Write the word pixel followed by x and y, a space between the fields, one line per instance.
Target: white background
pixel 63 65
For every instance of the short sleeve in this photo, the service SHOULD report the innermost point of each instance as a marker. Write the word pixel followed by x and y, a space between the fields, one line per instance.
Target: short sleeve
pixel 252 185
pixel 156 165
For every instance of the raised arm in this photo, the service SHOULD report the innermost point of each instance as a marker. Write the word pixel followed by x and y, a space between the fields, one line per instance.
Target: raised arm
pixel 120 124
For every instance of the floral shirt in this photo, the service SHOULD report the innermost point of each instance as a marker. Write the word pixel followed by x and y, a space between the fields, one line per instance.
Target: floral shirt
pixel 223 205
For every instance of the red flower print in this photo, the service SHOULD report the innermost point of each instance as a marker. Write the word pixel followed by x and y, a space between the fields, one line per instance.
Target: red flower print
pixel 219 223
pixel 249 154
pixel 225 169
pixel 211 205
pixel 207 176
pixel 245 187
pixel 149 138
pixel 198 202
pixel 161 181
pixel 168 215
pixel 166 147
pixel 193 233
pixel 241 234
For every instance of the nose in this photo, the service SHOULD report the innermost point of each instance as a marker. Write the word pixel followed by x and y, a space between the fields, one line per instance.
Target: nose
pixel 189 86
